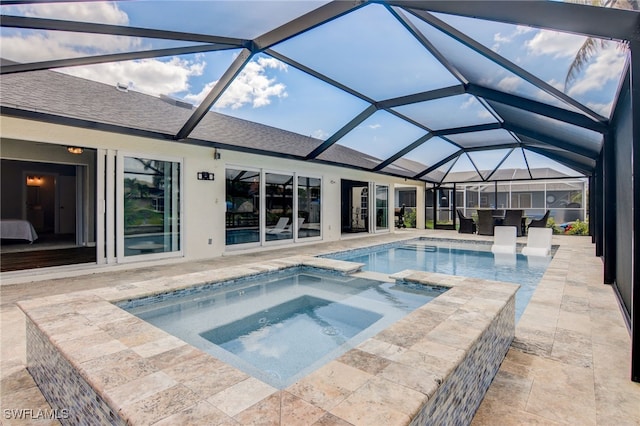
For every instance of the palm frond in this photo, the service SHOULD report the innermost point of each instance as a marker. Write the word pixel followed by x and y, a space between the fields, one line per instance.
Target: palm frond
pixel 586 51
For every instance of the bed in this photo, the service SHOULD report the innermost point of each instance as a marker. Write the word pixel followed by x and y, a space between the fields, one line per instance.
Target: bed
pixel 16 229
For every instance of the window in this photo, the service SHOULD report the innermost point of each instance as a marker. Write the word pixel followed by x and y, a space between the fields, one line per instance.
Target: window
pixel 407 198
pixel 520 200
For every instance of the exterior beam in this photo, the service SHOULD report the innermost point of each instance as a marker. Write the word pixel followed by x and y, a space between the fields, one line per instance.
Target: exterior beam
pixel 340 133
pixel 505 63
pixel 537 107
pixel 224 82
pixel 609 198
pixel 602 22
pixel 319 16
pixel 113 30
pixel 635 193
pixel 116 57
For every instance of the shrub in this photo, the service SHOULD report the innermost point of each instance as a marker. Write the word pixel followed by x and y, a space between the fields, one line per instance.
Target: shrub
pixel 578 228
pixel 410 218
pixel 552 224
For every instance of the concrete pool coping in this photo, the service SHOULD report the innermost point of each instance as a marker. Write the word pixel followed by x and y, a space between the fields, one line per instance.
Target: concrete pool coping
pixel 146 376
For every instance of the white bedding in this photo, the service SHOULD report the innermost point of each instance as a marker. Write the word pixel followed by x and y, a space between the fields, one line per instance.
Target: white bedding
pixel 16 229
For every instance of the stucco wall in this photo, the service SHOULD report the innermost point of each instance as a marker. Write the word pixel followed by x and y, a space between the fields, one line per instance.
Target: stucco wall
pixel 204 201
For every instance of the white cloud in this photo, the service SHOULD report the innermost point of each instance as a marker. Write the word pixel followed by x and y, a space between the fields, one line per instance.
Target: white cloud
pixel 509 84
pixel 499 40
pixel 600 71
pixel 557 84
pixel 471 101
pixel 521 29
pixel 50 42
pixel 97 12
pixel 150 76
pixel 555 44
pixel 602 109
pixel 320 134
pixel 251 86
pixel 484 113
pixel 374 126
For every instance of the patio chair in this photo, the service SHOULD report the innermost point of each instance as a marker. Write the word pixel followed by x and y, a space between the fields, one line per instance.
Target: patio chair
pixel 281 226
pixel 514 218
pixel 538 242
pixel 399 217
pixel 467 225
pixel 540 223
pixel 485 222
pixel 504 240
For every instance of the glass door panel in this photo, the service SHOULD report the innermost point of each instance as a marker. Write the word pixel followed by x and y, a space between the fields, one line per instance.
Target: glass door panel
pixel 382 207
pixel 151 206
pixel 243 206
pixel 445 208
pixel 309 207
pixel 278 207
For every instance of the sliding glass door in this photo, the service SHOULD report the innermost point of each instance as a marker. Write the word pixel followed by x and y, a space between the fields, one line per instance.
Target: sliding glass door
pixel 243 206
pixel 382 207
pixel 151 207
pixel 279 207
pixel 269 207
pixel 309 223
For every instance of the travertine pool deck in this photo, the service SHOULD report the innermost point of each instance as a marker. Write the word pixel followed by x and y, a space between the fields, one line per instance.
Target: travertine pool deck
pixel 568 364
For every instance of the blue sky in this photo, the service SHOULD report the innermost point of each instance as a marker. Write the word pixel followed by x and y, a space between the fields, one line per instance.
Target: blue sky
pixel 367 50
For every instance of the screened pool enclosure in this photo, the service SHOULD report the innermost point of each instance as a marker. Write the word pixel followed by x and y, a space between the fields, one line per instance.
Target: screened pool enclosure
pixel 491 97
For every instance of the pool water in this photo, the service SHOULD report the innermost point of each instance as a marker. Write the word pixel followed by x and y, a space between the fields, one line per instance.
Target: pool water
pixel 280 327
pixel 474 260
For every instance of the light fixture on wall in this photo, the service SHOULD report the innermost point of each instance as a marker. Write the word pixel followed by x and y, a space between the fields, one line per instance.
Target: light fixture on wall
pixel 75 150
pixel 216 154
pixel 35 180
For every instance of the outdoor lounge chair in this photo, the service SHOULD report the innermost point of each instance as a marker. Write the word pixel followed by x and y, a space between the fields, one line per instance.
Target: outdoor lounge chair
pixel 467 225
pixel 538 242
pixel 485 222
pixel 281 226
pixel 505 259
pixel 300 222
pixel 504 240
pixel 540 223
pixel 514 218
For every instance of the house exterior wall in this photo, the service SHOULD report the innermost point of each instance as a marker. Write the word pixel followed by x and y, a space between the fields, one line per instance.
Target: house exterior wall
pixel 203 215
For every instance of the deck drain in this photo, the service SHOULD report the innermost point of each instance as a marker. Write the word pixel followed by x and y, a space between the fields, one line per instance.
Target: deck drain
pixel 331 331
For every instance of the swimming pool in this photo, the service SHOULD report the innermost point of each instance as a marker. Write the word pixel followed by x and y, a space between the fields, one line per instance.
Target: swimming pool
pixel 283 325
pixel 452 257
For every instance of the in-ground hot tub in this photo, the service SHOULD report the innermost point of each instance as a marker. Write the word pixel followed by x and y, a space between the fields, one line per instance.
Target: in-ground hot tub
pixel 280 326
pixel 101 363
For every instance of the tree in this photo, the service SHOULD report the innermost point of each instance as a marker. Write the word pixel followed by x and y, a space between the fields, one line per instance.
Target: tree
pixel 591 45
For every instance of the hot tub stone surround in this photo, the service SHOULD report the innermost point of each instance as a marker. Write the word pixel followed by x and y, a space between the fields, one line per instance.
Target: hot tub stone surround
pixel 103 364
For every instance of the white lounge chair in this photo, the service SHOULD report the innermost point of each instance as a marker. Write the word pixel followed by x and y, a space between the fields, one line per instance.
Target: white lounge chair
pixel 538 242
pixel 504 239
pixel 281 226
pixel 505 259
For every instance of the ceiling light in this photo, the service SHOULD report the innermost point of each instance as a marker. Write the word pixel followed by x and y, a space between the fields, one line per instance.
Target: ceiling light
pixel 75 149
